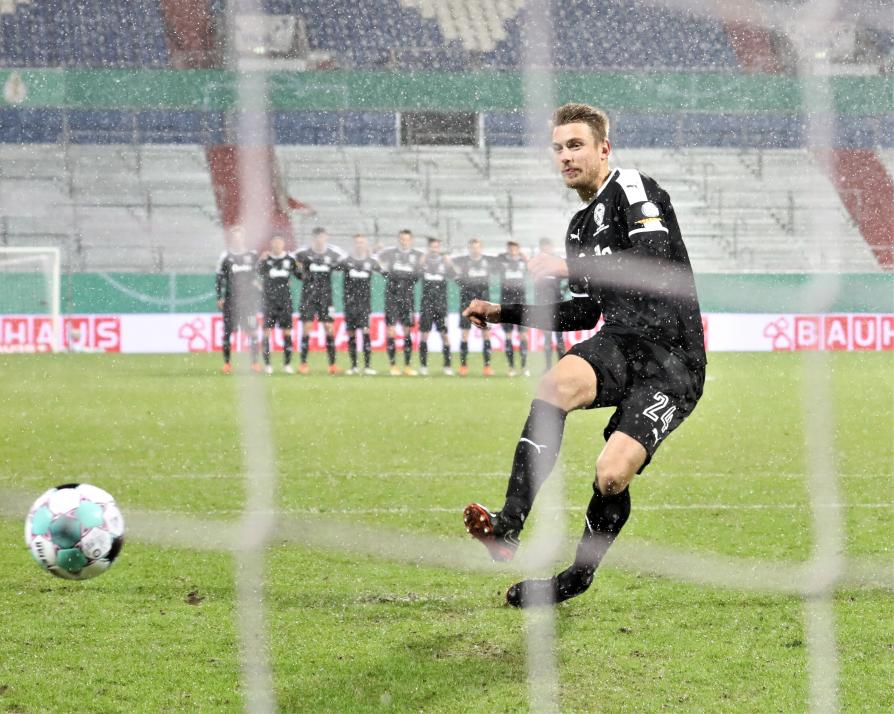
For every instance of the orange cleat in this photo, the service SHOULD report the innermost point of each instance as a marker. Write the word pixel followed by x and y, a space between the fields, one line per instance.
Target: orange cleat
pixel 227 368
pixel 463 371
pixel 488 528
pixel 488 371
pixel 304 368
pixel 256 367
pixel 334 369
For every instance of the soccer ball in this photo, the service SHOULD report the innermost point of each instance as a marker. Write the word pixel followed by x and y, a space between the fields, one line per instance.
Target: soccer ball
pixel 75 531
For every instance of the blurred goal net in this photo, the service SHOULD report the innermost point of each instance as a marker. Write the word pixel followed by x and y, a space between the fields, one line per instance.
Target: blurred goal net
pixel 30 288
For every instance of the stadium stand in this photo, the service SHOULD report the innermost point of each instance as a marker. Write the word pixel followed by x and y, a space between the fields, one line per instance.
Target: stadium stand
pixel 82 33
pixel 152 207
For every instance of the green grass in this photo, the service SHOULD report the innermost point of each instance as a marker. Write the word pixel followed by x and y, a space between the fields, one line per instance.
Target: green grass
pixel 358 633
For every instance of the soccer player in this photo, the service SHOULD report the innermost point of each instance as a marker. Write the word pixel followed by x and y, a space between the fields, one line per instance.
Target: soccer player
pixel 512 266
pixel 276 269
pixel 547 291
pixel 473 275
pixel 437 269
pixel 317 264
pixel 237 296
pixel 358 268
pixel 403 266
pixel 625 258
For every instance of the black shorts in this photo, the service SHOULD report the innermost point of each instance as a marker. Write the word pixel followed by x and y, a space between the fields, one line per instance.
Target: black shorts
pixel 235 320
pixel 278 314
pixel 432 315
pixel 466 295
pixel 399 309
pixel 653 390
pixel 356 317
pixel 316 307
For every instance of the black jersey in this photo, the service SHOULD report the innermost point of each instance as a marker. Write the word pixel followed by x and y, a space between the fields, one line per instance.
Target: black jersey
pixel 402 269
pixel 358 276
pixel 512 276
pixel 435 274
pixel 472 274
pixel 626 253
pixel 236 274
pixel 316 269
pixel 276 272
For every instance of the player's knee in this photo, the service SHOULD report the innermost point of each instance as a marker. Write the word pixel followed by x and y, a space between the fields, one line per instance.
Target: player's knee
pixel 612 475
pixel 561 390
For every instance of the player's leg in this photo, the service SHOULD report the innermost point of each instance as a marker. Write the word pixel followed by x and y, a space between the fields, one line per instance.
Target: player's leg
pixel 330 345
pixel 407 324
pixel 352 328
pixel 445 347
pixel 250 328
pixel 608 511
pixel 367 350
pixel 560 344
pixel 287 349
pixel 570 385
pixel 523 349
pixel 423 351
pixel 485 353
pixel 227 336
pixel 509 348
pixel 265 342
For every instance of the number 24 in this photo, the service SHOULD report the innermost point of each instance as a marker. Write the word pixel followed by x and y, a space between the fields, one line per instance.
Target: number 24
pixel 652 412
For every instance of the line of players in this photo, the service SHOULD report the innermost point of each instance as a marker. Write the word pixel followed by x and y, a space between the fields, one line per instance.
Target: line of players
pixel 246 281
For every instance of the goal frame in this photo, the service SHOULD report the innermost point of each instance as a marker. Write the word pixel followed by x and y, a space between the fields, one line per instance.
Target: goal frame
pixel 55 292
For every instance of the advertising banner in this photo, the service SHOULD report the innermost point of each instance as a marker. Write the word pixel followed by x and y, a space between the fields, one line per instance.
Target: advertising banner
pixel 203 332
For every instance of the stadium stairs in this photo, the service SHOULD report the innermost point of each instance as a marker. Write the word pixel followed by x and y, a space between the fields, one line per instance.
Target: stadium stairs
pixel 152 207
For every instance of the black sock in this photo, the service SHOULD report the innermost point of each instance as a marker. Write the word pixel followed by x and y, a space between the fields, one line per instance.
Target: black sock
pixel 445 349
pixel 408 348
pixel 226 347
pixel 423 352
pixel 523 352
pixel 305 346
pixel 390 349
pixel 535 455
pixel 606 516
pixel 486 353
pixel 560 345
pixel 510 353
pixel 330 348
pixel 287 348
pixel 265 349
pixel 367 349
pixel 352 350
pixel 463 352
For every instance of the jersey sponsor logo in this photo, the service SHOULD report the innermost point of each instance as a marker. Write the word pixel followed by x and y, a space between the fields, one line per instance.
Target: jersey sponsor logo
pixel 241 268
pixel 430 277
pixel 515 274
pixel 279 273
pixel 358 274
pixel 319 268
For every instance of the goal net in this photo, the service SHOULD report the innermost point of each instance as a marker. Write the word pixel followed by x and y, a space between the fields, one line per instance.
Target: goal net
pixel 30 289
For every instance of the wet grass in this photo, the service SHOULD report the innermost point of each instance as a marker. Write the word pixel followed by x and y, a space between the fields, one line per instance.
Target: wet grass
pixel 356 633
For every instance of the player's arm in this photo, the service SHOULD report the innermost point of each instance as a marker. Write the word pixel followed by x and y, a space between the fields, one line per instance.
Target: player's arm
pixel 579 313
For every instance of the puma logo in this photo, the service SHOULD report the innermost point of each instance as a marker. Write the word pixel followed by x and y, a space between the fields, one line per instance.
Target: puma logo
pixel 539 447
pixel 655 432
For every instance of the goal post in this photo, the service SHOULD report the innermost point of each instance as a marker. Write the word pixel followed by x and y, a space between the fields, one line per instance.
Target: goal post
pixel 31 285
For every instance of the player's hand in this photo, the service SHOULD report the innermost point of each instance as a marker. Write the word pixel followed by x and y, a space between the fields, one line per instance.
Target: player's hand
pixel 544 265
pixel 481 312
pixel 220 304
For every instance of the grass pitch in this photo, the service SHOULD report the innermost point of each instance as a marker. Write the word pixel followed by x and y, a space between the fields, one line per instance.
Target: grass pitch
pixel 360 633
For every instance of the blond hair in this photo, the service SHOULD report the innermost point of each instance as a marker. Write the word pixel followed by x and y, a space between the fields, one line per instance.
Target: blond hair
pixel 574 112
